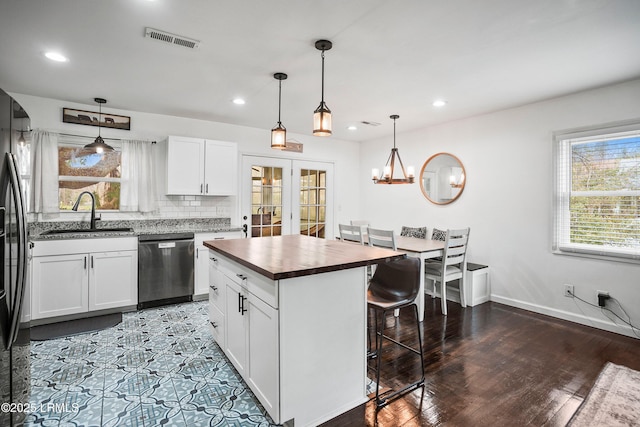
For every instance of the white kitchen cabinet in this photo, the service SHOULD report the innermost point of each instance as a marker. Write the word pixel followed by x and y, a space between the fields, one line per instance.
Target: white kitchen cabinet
pixel 113 279
pixel 202 167
pixel 250 338
pixel 59 285
pixel 202 258
pixel 82 275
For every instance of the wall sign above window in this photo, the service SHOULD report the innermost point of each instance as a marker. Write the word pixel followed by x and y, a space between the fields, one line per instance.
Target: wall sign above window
pixel 90 118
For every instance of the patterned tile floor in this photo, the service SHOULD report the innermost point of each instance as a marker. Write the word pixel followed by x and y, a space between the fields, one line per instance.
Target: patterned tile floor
pixel 159 367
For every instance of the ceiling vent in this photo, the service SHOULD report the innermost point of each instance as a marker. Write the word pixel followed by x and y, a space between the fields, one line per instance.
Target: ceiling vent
pixel 165 37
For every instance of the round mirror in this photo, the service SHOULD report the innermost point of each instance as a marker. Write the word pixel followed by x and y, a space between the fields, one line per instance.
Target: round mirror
pixel 442 178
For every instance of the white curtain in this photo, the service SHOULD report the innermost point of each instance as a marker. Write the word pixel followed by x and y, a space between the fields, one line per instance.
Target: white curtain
pixel 138 183
pixel 44 172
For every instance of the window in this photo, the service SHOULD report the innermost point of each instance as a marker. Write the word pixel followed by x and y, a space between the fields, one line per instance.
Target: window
pixel 81 170
pixel 313 203
pixel 597 204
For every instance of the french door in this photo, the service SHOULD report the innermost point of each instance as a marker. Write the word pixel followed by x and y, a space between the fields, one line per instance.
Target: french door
pixel 282 196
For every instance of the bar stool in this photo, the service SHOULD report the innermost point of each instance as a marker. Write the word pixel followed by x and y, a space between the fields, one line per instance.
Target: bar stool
pixel 395 285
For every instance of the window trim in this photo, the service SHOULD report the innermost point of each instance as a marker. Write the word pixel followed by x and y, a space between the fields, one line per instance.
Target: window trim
pixel 562 193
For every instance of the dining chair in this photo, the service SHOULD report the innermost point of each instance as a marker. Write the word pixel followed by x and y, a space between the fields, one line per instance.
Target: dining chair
pixel 363 223
pixel 453 265
pixel 350 233
pixel 381 238
pixel 394 286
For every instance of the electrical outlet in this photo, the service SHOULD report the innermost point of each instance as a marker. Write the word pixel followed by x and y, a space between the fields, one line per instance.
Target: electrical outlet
pixel 568 291
pixel 603 296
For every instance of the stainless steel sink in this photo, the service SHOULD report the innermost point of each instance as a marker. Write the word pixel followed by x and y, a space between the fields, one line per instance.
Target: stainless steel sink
pixel 87 231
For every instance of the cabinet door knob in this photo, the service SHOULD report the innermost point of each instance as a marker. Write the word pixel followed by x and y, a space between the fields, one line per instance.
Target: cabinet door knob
pixel 213 259
pixel 241 276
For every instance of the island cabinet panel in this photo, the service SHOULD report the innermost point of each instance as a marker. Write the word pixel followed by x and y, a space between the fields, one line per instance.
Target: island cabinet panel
pixel 295 321
pixel 250 338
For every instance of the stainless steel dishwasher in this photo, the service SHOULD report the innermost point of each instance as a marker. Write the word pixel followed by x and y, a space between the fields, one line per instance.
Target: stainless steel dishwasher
pixel 165 269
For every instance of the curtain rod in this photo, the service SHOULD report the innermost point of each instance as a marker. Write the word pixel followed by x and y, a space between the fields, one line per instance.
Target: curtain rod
pixel 86 136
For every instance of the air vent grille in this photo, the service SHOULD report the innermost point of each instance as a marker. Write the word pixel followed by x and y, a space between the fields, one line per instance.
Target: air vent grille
pixel 166 37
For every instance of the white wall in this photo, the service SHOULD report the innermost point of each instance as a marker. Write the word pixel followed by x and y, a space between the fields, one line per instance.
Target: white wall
pixel 508 199
pixel 46 114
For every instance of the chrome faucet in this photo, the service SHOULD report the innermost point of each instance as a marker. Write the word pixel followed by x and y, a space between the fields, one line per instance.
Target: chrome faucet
pixel 93 207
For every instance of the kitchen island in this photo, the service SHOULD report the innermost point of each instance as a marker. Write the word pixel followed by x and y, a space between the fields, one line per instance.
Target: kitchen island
pixel 290 314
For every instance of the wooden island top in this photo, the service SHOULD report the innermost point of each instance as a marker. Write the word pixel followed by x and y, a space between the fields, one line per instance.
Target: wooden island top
pixel 283 257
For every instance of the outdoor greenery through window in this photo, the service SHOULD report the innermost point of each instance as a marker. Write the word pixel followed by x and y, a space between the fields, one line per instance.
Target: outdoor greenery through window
pixel 598 193
pixel 82 170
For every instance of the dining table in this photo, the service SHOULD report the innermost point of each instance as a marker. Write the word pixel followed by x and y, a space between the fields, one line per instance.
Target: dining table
pixel 423 249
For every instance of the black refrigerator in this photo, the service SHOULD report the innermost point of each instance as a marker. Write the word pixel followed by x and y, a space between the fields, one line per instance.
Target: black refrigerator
pixel 14 334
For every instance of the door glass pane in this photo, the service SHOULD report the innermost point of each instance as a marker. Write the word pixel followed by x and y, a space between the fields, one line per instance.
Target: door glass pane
pixel 266 201
pixel 312 202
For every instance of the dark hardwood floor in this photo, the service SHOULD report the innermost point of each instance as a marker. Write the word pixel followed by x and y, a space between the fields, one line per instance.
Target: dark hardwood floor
pixel 492 365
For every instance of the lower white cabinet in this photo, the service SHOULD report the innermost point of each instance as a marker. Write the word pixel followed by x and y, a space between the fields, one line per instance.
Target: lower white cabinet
pixel 83 275
pixel 246 329
pixel 201 283
pixel 60 285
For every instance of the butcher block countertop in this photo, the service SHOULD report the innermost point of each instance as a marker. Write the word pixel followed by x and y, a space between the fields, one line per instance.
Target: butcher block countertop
pixel 283 257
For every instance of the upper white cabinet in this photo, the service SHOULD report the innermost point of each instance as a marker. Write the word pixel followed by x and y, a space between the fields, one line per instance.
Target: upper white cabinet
pixel 201 167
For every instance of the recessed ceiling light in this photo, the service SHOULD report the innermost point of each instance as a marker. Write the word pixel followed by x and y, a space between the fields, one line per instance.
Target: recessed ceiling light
pixel 439 103
pixel 352 127
pixel 238 101
pixel 55 56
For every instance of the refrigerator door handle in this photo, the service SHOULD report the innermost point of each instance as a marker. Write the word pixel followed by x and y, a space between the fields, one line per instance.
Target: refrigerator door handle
pixel 21 228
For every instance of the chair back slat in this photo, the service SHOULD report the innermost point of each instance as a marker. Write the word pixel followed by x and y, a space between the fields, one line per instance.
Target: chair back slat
pixel 381 238
pixel 351 233
pixel 455 247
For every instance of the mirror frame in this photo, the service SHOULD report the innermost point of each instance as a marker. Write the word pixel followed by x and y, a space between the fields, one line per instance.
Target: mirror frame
pixel 424 191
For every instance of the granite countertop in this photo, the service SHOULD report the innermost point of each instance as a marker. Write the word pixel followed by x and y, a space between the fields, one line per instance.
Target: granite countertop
pixel 283 257
pixel 130 228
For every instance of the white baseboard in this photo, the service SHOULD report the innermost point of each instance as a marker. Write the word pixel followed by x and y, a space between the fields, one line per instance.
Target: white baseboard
pixel 566 315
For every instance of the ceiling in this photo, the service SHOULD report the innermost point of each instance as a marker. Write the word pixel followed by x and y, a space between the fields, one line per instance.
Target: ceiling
pixel 388 56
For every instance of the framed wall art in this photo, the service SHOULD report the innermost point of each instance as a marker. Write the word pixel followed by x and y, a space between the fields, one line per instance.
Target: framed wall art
pixel 91 118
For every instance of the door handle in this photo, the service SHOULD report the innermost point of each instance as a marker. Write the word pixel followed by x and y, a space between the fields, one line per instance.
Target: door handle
pixel 214 324
pixel 245 228
pixel 241 276
pixel 239 303
pixel 206 188
pixel 215 289
pixel 242 300
pixel 85 262
pixel 201 189
pixel 91 261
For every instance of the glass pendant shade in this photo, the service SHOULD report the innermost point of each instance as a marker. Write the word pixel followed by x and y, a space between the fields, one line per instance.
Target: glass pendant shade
pixel 98 145
pixel 322 120
pixel 278 137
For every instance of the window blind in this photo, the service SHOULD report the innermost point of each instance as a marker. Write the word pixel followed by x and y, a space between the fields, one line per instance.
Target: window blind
pixel 598 194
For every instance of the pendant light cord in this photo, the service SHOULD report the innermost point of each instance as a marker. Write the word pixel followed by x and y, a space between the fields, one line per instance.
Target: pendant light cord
pixel 279 100
pixel 394 133
pixel 322 96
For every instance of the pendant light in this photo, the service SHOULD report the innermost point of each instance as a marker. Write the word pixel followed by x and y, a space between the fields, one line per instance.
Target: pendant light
pixel 322 114
pixel 99 146
pixel 389 168
pixel 279 133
